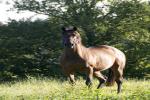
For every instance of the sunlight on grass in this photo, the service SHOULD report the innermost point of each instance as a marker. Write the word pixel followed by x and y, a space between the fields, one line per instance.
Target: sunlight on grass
pixel 45 89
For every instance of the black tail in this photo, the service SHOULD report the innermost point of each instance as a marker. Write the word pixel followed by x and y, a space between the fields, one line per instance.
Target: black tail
pixel 111 78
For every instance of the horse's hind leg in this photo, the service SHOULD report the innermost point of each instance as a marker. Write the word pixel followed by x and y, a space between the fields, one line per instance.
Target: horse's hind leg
pixel 100 77
pixel 118 78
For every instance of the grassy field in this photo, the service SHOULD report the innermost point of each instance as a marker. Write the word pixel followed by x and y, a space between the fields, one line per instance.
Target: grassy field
pixel 52 89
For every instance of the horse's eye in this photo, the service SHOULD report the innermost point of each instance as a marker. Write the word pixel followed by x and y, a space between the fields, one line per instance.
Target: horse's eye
pixel 63 33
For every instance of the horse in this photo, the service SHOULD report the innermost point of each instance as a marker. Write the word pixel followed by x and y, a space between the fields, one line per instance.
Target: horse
pixel 92 60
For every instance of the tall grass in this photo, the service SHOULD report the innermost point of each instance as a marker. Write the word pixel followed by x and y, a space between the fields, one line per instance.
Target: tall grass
pixel 53 89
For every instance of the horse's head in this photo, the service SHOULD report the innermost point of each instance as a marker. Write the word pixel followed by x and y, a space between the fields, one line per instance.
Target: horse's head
pixel 70 37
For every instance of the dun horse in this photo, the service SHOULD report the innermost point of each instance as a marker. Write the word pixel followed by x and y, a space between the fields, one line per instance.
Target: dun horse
pixel 92 60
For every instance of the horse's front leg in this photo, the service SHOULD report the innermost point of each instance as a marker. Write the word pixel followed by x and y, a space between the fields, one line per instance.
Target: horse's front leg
pixel 71 78
pixel 101 78
pixel 89 76
pixel 69 74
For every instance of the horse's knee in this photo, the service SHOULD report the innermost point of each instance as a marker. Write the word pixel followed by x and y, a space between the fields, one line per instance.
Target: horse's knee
pixel 100 77
pixel 71 77
pixel 119 81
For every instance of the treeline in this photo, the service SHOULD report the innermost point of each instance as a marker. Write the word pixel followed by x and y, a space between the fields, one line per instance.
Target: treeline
pixel 33 48
pixel 29 48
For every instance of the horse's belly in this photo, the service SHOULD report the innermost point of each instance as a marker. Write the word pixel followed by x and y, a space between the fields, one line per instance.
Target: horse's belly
pixel 105 63
pixel 101 68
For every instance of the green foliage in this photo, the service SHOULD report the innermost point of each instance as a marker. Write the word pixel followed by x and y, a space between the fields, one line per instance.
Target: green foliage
pixel 128 23
pixel 28 48
pixel 34 47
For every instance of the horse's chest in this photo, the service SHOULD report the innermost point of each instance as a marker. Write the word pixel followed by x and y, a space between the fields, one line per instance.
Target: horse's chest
pixel 74 62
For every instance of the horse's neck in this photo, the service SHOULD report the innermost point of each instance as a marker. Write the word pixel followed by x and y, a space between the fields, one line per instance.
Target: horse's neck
pixel 82 51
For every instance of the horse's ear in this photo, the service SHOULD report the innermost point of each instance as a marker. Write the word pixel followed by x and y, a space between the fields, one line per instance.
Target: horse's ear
pixel 63 29
pixel 74 28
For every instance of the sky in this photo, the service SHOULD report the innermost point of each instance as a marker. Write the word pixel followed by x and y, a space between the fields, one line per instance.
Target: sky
pixel 6 15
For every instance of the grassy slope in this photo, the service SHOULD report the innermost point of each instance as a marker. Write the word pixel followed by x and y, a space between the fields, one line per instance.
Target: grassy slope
pixel 46 89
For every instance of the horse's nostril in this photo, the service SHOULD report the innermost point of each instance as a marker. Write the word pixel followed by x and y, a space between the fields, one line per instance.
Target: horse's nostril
pixel 65 44
pixel 72 45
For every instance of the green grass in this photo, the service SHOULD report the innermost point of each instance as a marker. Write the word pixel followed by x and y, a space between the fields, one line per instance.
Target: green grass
pixel 52 89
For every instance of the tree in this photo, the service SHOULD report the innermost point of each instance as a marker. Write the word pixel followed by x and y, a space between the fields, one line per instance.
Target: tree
pixel 128 23
pixel 28 48
pixel 81 13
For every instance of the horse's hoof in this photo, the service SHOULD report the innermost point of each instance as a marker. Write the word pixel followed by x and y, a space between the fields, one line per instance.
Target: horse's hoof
pixel 100 86
pixel 118 92
pixel 88 84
